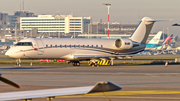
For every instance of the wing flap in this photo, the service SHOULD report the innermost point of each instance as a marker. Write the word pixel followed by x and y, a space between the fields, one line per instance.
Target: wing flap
pixel 99 87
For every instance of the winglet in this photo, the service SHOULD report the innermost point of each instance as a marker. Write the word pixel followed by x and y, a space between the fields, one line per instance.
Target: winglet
pixel 105 86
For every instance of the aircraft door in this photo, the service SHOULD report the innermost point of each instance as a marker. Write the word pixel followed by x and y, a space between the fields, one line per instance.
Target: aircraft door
pixel 40 47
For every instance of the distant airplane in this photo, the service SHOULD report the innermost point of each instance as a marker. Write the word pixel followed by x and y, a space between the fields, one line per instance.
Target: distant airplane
pixel 160 46
pixel 171 45
pixel 52 93
pixel 154 41
pixel 176 24
pixel 8 81
pixel 168 40
pixel 173 41
pixel 76 49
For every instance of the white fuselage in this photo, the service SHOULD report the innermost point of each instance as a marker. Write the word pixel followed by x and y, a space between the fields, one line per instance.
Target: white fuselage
pixel 66 48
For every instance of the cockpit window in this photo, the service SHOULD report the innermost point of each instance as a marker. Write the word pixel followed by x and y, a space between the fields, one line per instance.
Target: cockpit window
pixel 24 44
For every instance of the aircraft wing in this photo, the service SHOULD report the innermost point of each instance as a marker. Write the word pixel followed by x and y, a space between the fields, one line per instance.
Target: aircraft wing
pixel 51 93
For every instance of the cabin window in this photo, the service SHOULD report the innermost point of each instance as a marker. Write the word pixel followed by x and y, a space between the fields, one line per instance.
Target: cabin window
pixel 96 46
pixel 46 46
pixel 56 46
pixel 24 44
pixel 83 46
pixel 70 46
pixel 92 46
pixel 78 46
pixel 50 45
pixel 101 46
pixel 87 46
pixel 65 46
pixel 60 46
pixel 74 46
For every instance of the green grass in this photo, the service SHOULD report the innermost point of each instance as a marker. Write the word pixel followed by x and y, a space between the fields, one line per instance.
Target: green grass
pixel 37 62
pixel 125 62
pixel 156 57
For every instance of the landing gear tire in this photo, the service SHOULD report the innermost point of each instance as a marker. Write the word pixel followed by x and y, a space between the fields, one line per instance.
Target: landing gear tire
pixel 18 62
pixel 76 63
pixel 93 64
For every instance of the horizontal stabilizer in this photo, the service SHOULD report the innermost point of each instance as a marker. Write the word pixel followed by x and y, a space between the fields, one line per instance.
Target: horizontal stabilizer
pixel 24 95
pixel 153 20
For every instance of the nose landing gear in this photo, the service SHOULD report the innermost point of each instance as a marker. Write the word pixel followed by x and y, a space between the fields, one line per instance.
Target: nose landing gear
pixel 18 62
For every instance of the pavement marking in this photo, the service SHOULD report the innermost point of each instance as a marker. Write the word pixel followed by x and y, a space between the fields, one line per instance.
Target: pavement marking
pixel 138 92
pixel 146 92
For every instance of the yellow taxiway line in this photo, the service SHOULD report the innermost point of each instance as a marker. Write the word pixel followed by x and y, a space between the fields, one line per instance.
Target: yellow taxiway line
pixel 138 92
pixel 145 92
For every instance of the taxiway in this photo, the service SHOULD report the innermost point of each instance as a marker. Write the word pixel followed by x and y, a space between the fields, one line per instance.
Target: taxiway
pixel 139 82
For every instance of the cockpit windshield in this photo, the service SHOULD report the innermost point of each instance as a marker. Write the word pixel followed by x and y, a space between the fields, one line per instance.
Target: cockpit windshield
pixel 24 44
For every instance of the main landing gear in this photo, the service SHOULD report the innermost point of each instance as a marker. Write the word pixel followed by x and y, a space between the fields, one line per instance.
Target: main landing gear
pixel 75 63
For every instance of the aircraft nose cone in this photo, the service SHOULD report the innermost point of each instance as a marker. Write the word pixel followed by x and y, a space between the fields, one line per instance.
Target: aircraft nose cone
pixel 7 53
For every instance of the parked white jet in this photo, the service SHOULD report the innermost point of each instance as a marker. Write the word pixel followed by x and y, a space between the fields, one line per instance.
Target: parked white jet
pixel 75 50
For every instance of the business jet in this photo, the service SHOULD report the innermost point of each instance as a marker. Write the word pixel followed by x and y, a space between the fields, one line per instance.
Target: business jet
pixel 77 49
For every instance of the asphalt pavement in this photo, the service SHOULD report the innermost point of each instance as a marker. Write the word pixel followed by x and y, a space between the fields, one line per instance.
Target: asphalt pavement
pixel 139 82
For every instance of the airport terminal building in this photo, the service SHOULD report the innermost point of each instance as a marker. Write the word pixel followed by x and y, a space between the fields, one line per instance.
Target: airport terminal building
pixel 55 23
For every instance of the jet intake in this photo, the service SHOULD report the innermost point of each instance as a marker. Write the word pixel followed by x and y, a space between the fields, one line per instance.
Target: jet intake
pixel 124 43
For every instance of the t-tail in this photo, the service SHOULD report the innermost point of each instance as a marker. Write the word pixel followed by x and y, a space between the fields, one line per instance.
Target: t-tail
pixel 168 39
pixel 143 30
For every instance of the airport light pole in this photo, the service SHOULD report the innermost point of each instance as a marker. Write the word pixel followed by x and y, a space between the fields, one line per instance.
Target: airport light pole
pixel 167 31
pixel 108 5
pixel 163 33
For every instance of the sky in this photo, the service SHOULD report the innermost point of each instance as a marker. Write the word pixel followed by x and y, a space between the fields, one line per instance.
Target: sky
pixel 122 11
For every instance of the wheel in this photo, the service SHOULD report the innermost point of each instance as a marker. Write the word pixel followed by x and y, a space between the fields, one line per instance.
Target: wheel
pixel 78 63
pixel 74 64
pixel 92 65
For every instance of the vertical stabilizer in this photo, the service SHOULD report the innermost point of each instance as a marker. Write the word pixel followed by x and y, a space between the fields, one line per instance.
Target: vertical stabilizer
pixel 168 39
pixel 143 30
pixel 156 38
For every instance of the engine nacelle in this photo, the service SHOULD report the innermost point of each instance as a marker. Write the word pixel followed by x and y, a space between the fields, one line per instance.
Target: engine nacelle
pixel 124 43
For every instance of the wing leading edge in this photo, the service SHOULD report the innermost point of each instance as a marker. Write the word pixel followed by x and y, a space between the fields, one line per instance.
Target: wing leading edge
pixel 99 87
